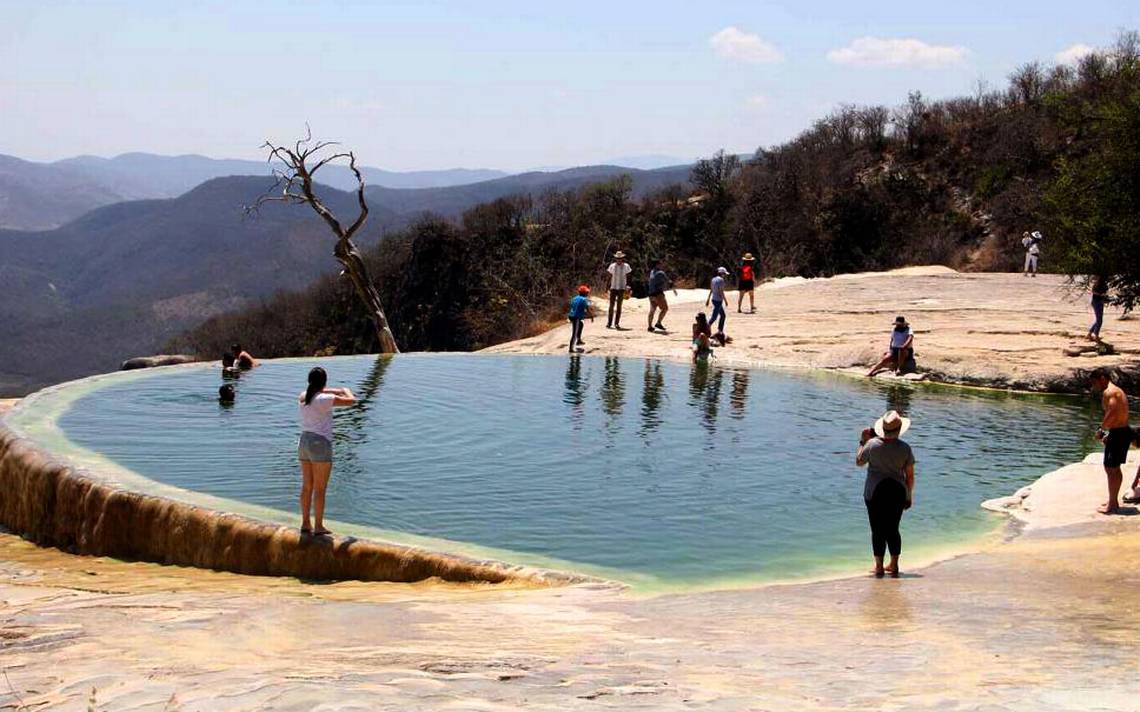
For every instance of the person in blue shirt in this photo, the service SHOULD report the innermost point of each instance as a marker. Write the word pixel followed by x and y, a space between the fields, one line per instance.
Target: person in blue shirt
pixel 579 310
pixel 716 297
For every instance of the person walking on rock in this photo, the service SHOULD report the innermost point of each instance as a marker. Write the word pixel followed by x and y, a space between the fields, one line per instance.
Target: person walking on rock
pixel 1114 433
pixel 579 310
pixel 889 487
pixel 658 283
pixel 1098 300
pixel 716 297
pixel 619 271
pixel 315 449
pixel 747 284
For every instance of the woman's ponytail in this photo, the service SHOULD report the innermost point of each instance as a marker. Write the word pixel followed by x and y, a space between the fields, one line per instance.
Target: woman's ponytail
pixel 317 380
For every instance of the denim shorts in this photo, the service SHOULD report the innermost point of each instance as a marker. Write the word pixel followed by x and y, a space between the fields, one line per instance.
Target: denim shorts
pixel 314 448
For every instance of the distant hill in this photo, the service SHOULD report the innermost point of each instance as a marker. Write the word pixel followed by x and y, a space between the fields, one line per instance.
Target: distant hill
pixel 124 278
pixel 42 196
pixel 452 201
pixel 120 280
pixel 38 196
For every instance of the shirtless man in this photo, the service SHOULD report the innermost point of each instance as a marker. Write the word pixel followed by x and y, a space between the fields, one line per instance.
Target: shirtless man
pixel 1114 433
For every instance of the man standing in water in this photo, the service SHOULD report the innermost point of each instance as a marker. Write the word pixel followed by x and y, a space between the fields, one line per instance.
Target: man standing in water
pixel 1114 433
pixel 619 274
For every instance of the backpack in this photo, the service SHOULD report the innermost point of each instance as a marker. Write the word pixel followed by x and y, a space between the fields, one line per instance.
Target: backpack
pixel 746 273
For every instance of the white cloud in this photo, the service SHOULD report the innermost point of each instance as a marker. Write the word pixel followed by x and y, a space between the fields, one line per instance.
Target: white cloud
pixel 737 45
pixel 887 52
pixel 757 102
pixel 1074 54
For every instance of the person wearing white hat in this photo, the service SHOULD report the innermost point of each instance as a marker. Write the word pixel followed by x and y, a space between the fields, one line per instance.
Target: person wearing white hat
pixel 716 297
pixel 1031 243
pixel 889 487
pixel 619 271
pixel 747 283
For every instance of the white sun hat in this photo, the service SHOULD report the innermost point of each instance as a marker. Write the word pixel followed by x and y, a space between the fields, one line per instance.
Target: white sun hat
pixel 891 424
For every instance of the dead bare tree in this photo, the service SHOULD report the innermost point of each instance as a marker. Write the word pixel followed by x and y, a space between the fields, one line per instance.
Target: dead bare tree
pixel 294 169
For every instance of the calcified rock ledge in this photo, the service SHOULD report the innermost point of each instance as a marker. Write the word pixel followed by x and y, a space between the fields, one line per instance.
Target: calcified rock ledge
pixel 53 504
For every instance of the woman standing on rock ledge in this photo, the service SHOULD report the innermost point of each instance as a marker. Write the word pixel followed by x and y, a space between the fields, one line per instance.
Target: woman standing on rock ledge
pixel 889 488
pixel 315 446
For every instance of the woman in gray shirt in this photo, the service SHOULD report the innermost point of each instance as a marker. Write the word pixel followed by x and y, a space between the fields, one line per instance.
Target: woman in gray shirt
pixel 889 488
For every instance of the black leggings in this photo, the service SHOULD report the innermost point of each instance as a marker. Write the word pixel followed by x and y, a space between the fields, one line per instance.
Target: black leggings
pixel 885 509
pixel 575 331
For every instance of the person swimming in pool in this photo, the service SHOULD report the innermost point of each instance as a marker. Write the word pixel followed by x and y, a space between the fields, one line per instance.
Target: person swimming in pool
pixel 314 449
pixel 245 361
pixel 229 367
pixel 226 394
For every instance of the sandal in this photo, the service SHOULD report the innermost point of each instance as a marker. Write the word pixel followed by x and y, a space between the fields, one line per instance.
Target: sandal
pixel 322 532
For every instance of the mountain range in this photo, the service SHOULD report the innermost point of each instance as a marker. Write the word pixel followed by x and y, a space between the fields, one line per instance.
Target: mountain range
pixel 124 278
pixel 42 196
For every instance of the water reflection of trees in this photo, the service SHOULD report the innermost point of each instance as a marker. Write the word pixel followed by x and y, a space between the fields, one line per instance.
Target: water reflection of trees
pixel 613 389
pixel 652 395
pixel 738 399
pixel 705 383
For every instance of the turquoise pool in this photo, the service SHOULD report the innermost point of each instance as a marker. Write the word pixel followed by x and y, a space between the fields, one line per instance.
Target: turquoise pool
pixel 656 473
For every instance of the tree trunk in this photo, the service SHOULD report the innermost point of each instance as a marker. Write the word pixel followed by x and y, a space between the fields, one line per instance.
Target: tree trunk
pixel 349 257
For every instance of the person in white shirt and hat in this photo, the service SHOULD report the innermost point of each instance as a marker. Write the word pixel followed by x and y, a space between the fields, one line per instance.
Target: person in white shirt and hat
pixel 619 271
pixel 889 487
pixel 1031 241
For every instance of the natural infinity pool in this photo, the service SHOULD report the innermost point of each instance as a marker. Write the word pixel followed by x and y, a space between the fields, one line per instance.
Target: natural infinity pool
pixel 656 473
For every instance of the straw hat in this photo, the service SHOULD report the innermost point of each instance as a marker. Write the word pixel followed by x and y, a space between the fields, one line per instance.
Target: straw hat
pixel 748 257
pixel 619 255
pixel 891 424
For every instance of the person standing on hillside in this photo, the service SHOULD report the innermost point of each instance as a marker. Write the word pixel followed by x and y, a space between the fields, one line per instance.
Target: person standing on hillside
pixel 658 283
pixel 579 310
pixel 889 487
pixel 1030 241
pixel 716 297
pixel 747 284
pixel 1114 433
pixel 619 271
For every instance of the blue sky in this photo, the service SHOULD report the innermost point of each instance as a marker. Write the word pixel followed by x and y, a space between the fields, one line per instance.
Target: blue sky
pixel 509 85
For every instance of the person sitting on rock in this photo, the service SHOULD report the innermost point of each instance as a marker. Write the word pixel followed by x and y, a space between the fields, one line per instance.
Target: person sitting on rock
pixel 901 353
pixel 702 337
pixel 244 360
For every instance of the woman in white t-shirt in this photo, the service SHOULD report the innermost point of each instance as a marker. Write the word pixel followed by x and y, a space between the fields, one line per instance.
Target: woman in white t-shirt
pixel 314 449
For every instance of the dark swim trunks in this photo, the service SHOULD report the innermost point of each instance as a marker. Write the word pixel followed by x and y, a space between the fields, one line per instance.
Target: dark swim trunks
pixel 1116 446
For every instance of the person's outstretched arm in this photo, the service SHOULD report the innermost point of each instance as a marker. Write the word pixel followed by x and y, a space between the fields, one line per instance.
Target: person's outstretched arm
pixel 343 396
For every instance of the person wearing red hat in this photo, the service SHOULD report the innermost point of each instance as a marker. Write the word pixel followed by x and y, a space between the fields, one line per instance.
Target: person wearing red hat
pixel 579 310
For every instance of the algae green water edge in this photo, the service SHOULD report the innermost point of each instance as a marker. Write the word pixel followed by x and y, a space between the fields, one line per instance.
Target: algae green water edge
pixel 660 476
